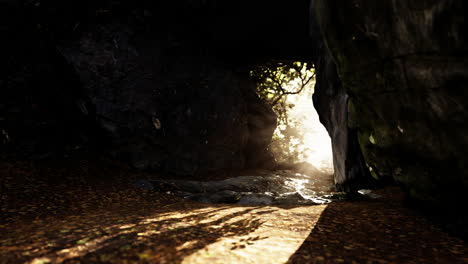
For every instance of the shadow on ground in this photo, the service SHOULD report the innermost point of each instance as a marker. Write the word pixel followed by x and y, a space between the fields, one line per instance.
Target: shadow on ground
pixel 82 213
pixel 89 219
pixel 377 231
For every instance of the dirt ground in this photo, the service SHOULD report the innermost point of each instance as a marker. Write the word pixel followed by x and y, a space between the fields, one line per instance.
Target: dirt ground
pixel 88 213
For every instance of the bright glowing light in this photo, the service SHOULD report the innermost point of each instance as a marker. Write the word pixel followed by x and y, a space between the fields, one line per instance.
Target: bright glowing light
pixel 297 184
pixel 316 144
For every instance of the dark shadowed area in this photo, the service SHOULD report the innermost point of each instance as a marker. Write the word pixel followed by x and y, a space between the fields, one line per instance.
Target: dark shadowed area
pixel 206 131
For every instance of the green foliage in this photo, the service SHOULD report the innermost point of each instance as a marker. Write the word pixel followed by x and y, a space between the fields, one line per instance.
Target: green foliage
pixel 275 82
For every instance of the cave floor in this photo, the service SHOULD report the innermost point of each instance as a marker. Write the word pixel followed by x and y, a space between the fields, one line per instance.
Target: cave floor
pixel 84 219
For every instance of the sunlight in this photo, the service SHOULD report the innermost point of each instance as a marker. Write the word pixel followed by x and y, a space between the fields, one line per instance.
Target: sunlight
pixel 297 184
pixel 85 246
pixel 299 137
pixel 228 234
pixel 275 241
pixel 316 143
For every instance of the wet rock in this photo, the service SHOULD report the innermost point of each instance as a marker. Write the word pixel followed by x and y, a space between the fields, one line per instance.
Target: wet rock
pixel 225 196
pixel 238 184
pixel 256 199
pixel 282 187
pixel 292 198
pixel 369 194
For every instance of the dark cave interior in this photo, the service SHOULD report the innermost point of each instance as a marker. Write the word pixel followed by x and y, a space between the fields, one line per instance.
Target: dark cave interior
pixel 114 112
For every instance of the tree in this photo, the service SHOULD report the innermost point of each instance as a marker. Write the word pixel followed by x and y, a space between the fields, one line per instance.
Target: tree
pixel 275 81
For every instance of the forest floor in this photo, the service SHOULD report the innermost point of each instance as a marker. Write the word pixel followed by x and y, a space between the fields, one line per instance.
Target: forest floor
pixel 86 213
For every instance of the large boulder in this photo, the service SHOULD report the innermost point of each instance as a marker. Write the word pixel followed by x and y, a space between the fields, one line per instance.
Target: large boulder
pixel 160 81
pixel 43 110
pixel 167 107
pixel 331 102
pixel 404 65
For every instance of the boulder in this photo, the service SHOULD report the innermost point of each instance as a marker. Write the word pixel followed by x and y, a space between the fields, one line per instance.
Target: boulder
pixel 404 68
pixel 256 199
pixel 152 80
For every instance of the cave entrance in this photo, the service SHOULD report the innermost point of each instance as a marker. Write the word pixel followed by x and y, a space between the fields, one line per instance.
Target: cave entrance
pixel 300 144
pixel 300 138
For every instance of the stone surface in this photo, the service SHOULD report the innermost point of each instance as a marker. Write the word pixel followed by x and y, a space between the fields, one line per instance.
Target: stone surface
pixel 405 68
pixel 167 106
pixel 256 199
pixel 43 110
pixel 282 187
pixel 331 102
pixel 163 82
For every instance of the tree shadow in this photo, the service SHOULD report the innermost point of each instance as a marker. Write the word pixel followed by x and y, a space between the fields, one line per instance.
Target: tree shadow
pixel 162 238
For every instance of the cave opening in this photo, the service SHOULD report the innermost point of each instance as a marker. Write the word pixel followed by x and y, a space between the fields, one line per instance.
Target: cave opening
pixel 302 172
pixel 287 87
pixel 144 132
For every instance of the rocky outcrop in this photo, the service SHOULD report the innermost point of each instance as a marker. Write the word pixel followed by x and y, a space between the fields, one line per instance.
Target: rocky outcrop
pixel 331 102
pixel 170 105
pixel 404 65
pixel 42 108
pixel 161 85
pixel 282 187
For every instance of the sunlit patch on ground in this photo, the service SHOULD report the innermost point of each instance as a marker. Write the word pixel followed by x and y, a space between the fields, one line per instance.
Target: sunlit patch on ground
pixel 278 237
pixel 112 222
pixel 215 234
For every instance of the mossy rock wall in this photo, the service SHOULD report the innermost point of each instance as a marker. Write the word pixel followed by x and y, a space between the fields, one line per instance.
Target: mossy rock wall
pixel 404 65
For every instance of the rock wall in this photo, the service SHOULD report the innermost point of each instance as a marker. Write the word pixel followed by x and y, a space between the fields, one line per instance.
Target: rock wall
pixel 166 106
pixel 331 102
pixel 162 85
pixel 42 108
pixel 404 66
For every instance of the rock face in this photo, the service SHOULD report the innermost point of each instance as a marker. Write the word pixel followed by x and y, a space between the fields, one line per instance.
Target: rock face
pixel 331 102
pixel 166 101
pixel 181 112
pixel 164 85
pixel 404 66
pixel 168 84
pixel 42 108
